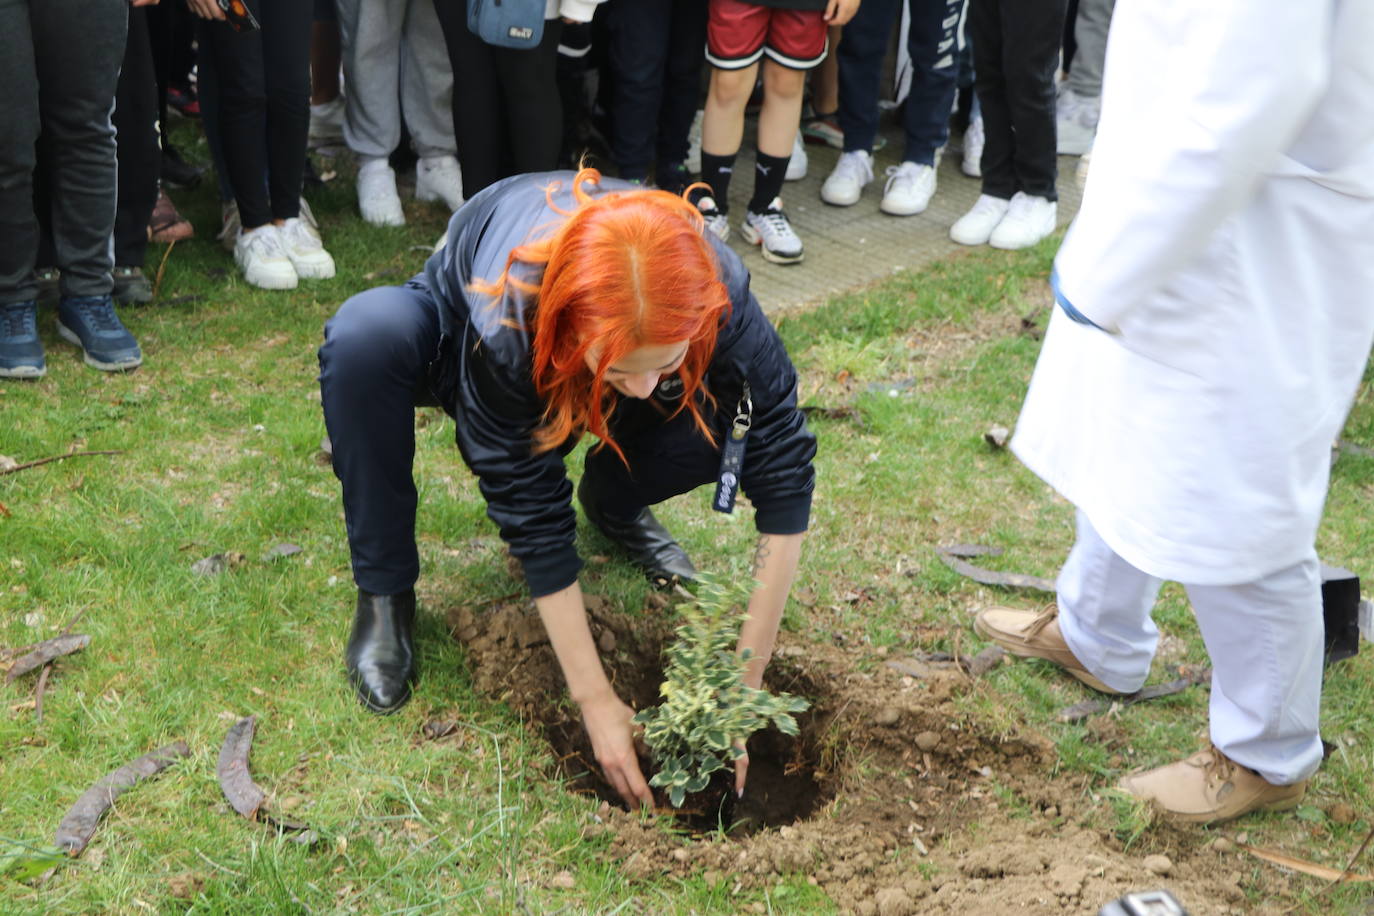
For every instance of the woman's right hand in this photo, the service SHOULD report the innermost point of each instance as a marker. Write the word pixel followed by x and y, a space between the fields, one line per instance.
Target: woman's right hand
pixel 206 9
pixel 608 724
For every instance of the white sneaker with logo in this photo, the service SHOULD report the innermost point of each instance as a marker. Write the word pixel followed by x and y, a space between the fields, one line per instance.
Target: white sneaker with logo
pixel 1075 122
pixel 438 178
pixel 716 223
pixel 846 183
pixel 974 138
pixel 1029 219
pixel 909 189
pixel 326 123
pixel 377 197
pixel 262 258
pixel 305 249
pixel 975 227
pixel 771 230
pixel 797 165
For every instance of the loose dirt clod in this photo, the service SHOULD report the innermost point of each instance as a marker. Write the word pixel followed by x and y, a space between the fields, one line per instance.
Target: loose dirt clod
pixel 77 828
pixel 1158 864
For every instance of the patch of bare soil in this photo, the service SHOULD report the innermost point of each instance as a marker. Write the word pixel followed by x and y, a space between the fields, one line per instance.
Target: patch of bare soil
pixel 890 799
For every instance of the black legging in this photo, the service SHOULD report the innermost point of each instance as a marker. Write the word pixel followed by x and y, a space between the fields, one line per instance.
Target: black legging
pixel 507 115
pixel 135 121
pixel 263 81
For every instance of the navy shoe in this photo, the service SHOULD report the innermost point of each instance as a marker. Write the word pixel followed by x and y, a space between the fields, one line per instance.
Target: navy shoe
pixel 90 322
pixel 21 352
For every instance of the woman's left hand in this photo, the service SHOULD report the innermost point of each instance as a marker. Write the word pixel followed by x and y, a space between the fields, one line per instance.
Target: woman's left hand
pixel 838 12
pixel 206 9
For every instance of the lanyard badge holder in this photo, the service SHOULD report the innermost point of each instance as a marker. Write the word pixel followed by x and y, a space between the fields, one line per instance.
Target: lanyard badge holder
pixel 732 455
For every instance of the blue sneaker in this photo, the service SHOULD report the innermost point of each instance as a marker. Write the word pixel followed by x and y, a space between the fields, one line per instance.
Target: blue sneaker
pixel 90 322
pixel 21 352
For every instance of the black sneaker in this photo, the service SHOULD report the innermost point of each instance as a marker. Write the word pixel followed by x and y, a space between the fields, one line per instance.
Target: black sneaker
pixel 21 352
pixel 176 171
pixel 674 178
pixel 90 322
pixel 131 286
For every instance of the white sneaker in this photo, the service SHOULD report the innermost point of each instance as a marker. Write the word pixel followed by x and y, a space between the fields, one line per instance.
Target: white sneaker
pixel 438 178
pixel 377 197
pixel 796 166
pixel 1075 122
pixel 846 182
pixel 305 249
pixel 693 160
pixel 229 225
pixel 975 227
pixel 909 189
pixel 262 258
pixel 972 164
pixel 771 230
pixel 716 223
pixel 1028 220
pixel 326 123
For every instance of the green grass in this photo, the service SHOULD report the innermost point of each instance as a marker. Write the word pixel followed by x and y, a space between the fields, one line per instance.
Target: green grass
pixel 219 432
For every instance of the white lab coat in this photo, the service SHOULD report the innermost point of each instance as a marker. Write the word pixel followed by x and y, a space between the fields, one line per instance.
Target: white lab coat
pixel 1226 245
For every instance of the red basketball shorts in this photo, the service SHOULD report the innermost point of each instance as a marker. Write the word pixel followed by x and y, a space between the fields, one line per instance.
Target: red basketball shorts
pixel 739 33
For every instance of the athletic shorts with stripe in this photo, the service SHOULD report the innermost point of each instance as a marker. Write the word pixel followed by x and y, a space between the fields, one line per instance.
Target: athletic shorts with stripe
pixel 738 33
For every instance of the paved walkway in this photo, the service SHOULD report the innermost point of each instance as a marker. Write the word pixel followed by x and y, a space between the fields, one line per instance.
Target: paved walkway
pixel 851 247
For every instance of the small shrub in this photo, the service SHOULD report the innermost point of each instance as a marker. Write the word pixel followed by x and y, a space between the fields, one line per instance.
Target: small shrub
pixel 708 711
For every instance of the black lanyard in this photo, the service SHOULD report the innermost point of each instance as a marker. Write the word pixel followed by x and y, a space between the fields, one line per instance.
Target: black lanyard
pixel 732 455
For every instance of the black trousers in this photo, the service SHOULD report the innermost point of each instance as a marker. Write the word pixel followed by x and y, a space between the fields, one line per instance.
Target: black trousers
pixel 136 126
pixel 378 355
pixel 59 61
pixel 656 55
pixel 262 81
pixel 1015 54
pixel 507 114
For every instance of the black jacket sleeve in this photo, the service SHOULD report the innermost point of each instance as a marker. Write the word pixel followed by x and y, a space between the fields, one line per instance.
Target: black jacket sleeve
pixel 778 476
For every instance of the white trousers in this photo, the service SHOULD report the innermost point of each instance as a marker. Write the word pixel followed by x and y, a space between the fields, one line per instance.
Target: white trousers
pixel 1266 640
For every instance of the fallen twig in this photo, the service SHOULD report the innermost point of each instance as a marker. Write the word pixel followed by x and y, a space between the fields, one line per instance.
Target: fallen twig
pixel 5 510
pixel 38 693
pixel 1333 875
pixel 33 464
pixel 1080 711
pixel 953 555
pixel 162 267
pixel 77 828
pixel 45 652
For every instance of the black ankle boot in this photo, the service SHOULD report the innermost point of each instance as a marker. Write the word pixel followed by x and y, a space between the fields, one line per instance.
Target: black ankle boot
pixel 380 657
pixel 648 543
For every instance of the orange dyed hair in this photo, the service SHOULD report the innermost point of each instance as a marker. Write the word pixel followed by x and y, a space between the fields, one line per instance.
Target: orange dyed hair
pixel 625 270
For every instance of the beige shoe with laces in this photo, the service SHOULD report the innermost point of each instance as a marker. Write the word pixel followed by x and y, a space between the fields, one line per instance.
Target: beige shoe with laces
pixel 1209 788
pixel 1034 634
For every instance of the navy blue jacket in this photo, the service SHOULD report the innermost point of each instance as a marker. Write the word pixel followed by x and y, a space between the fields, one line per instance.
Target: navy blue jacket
pixel 484 380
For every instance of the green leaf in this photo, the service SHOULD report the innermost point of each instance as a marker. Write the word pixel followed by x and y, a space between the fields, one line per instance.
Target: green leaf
pixel 28 862
pixel 676 795
pixel 698 782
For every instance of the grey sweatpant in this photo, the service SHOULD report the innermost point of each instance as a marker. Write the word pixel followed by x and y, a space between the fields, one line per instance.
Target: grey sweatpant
pixel 395 64
pixel 1090 33
pixel 66 53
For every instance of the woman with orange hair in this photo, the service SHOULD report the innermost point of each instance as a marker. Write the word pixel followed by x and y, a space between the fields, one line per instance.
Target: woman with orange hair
pixel 564 305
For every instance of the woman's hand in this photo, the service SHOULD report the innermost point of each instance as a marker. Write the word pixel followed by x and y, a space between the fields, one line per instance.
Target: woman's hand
pixel 838 12
pixel 608 724
pixel 206 9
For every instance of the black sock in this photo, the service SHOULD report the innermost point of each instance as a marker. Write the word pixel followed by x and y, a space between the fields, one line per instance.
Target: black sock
pixel 769 172
pixel 716 171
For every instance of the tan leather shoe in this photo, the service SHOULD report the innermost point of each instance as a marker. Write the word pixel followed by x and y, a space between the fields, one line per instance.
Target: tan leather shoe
pixel 1034 634
pixel 1209 787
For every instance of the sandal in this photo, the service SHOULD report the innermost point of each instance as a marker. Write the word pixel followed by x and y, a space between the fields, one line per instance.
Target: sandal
pixel 166 224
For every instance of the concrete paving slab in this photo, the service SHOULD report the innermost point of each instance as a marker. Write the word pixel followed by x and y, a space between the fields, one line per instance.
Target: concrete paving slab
pixel 851 247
